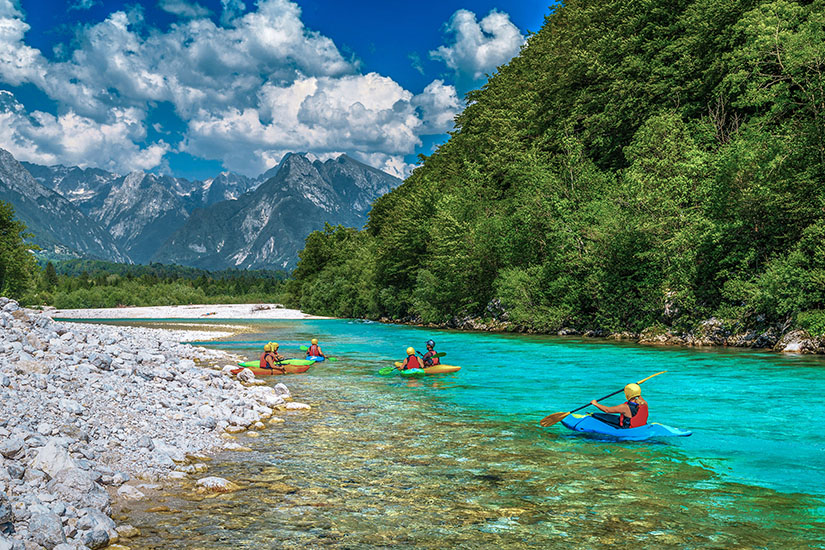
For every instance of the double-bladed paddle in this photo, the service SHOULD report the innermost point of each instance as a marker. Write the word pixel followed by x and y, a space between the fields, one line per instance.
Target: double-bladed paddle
pixel 549 420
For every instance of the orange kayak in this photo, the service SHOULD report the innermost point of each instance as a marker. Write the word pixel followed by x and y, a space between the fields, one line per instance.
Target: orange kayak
pixel 290 369
pixel 436 369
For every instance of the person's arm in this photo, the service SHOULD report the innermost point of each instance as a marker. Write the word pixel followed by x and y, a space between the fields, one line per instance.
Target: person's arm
pixel 321 352
pixel 617 409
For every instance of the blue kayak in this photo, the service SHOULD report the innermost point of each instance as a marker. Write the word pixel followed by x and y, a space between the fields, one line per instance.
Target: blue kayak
pixel 316 358
pixel 587 424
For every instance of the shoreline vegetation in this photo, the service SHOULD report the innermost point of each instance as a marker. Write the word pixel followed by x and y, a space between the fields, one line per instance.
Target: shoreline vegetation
pixel 710 333
pixel 95 417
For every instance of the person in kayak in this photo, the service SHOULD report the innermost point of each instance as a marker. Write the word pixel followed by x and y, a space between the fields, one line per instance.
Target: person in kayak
pixel 631 414
pixel 429 358
pixel 315 349
pixel 412 361
pixel 271 359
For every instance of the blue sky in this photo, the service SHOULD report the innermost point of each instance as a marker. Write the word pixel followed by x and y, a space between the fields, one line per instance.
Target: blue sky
pixel 195 87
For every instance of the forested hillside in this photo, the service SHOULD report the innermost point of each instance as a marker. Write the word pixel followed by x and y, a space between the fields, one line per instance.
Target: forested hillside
pixel 639 164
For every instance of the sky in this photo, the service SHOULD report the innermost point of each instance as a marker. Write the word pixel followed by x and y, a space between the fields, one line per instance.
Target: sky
pixel 194 87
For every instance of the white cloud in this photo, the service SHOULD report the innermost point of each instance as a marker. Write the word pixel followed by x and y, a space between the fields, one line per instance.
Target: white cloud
pixel 370 116
pixel 249 90
pixel 479 47
pixel 231 10
pixel 75 140
pixel 183 8
pixel 439 105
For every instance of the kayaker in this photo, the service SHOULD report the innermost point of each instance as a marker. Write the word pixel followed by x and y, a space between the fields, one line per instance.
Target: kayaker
pixel 315 350
pixel 631 414
pixel 270 358
pixel 429 358
pixel 412 361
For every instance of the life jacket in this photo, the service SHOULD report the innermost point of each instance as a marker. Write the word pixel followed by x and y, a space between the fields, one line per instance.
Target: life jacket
pixel 264 355
pixel 638 415
pixel 413 363
pixel 314 350
pixel 431 359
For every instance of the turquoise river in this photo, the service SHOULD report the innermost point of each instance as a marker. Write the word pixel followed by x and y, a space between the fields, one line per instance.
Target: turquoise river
pixel 459 460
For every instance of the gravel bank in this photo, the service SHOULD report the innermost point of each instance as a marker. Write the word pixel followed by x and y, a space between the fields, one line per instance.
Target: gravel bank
pixel 92 413
pixel 218 311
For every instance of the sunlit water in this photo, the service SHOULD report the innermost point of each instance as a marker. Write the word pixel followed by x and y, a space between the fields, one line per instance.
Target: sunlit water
pixel 459 461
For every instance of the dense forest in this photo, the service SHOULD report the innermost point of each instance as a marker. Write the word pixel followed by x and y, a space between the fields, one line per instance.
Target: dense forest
pixel 639 164
pixel 93 283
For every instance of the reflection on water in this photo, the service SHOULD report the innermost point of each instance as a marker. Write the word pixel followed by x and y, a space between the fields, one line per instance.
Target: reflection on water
pixel 386 463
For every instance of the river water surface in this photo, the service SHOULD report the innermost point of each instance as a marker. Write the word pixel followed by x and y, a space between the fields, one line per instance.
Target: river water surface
pixel 459 460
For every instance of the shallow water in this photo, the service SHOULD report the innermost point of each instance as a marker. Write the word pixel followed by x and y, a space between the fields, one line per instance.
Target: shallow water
pixel 459 461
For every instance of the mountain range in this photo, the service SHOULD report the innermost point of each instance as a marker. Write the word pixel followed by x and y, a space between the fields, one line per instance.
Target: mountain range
pixel 229 221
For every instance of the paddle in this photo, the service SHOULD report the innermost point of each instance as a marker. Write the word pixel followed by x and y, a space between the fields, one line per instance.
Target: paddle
pixel 549 420
pixel 306 348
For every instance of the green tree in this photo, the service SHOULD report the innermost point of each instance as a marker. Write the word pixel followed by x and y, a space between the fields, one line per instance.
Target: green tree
pixel 17 263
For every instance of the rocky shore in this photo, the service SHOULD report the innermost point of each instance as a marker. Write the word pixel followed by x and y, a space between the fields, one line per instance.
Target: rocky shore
pixel 92 414
pixel 711 332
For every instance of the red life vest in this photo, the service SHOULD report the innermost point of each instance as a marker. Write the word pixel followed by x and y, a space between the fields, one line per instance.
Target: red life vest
pixel 638 418
pixel 264 355
pixel 413 363
pixel 431 359
pixel 314 350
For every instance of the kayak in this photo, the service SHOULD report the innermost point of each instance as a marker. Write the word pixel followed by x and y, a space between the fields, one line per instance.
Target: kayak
pixel 257 363
pixel 435 369
pixel 290 369
pixel 316 358
pixel 440 369
pixel 587 424
pixel 412 373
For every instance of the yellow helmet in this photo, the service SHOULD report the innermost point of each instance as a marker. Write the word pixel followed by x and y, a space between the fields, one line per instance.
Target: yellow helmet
pixel 273 346
pixel 267 347
pixel 632 390
pixel 314 341
pixel 410 351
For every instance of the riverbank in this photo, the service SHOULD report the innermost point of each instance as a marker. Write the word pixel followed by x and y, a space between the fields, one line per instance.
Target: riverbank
pixel 94 414
pixel 218 311
pixel 711 332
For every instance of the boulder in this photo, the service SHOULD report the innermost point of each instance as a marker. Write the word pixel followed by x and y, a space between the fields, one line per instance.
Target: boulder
pixel 52 458
pixel 797 341
pixel 205 411
pixel 94 520
pixel 127 531
pixel 10 447
pixel 77 486
pixel 297 407
pixel 163 449
pixel 246 375
pixel 46 529
pixel 127 492
pixel 71 406
pixel 6 515
pixel 215 484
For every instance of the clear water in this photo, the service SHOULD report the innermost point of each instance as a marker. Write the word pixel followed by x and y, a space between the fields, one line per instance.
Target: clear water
pixel 459 461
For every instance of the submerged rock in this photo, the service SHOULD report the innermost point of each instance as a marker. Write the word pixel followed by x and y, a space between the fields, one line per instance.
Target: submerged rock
pixel 214 484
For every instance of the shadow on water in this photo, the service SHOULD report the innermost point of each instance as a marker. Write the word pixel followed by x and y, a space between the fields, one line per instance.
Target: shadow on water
pixel 458 461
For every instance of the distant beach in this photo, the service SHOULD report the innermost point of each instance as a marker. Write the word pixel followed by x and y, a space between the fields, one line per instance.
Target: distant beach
pixel 218 311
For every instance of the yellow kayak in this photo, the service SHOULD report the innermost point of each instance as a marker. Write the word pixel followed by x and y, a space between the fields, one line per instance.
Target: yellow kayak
pixel 436 369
